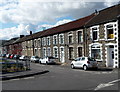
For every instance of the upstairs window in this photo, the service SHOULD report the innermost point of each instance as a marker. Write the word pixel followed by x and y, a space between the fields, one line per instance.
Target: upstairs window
pixel 48 40
pixel 55 39
pixel 80 37
pixel 70 39
pixel 110 32
pixel 95 33
pixel 61 38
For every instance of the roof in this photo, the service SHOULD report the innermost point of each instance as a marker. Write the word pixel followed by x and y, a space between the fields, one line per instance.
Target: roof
pixel 105 15
pixel 80 23
pixel 11 41
pixel 2 42
pixel 59 29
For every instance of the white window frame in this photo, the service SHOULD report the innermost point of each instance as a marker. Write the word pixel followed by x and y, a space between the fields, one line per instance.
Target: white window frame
pixel 48 51
pixel 77 35
pixel 48 42
pixel 44 52
pixel 60 38
pixel 97 44
pixel 54 40
pixel 91 32
pixel 70 34
pixel 55 47
pixel 42 41
pixel 105 28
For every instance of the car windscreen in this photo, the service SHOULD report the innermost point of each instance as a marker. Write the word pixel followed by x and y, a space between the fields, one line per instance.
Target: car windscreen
pixel 91 59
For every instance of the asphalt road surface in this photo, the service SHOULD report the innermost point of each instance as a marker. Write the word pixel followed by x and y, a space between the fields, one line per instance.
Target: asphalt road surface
pixel 65 78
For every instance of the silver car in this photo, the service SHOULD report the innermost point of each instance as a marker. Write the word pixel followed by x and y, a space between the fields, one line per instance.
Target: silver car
pixel 84 62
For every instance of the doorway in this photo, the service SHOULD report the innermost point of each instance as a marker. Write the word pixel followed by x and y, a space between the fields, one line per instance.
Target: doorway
pixel 110 55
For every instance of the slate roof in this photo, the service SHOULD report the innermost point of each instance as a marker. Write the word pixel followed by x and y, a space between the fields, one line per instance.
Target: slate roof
pixel 105 15
pixel 59 29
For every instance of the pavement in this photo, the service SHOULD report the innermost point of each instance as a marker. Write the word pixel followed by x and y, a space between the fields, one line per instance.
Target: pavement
pixel 22 74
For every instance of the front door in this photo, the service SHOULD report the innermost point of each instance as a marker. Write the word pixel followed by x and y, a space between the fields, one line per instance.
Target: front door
pixel 110 56
pixel 62 57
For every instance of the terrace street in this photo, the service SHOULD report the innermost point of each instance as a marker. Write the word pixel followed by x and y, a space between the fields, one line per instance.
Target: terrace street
pixel 64 78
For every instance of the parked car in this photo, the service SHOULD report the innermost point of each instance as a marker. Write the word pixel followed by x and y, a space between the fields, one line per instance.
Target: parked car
pixel 16 56
pixel 11 56
pixel 84 62
pixel 8 55
pixel 22 57
pixel 3 55
pixel 34 59
pixel 48 60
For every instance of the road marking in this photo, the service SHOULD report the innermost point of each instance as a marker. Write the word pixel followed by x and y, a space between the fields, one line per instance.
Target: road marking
pixel 103 85
pixel 29 78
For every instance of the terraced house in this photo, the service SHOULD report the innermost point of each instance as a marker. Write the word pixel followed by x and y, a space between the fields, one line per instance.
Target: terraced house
pixel 64 42
pixel 96 35
pixel 103 39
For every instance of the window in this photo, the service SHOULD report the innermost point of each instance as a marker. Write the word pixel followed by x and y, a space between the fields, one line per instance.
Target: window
pixel 49 51
pixel 55 39
pixel 43 41
pixel 39 43
pixel 77 59
pixel 96 52
pixel 80 37
pixel 110 33
pixel 48 40
pixel 34 42
pixel 44 52
pixel 70 39
pixel 55 52
pixel 61 38
pixel 79 51
pixel 71 53
pixel 83 58
pixel 95 33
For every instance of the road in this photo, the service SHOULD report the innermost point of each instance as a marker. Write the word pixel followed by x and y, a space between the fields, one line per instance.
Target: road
pixel 65 78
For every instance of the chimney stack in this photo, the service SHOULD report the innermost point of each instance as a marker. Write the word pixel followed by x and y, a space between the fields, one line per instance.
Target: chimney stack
pixel 21 36
pixel 30 32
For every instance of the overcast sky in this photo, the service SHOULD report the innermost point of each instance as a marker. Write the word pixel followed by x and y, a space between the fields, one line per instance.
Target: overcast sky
pixel 17 17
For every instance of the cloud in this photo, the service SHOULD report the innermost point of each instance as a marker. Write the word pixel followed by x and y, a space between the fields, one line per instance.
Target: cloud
pixel 28 14
pixel 22 29
pixel 8 33
pixel 46 26
pixel 33 12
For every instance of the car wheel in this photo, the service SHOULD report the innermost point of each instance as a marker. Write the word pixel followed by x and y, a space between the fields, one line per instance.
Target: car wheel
pixel 72 66
pixel 40 62
pixel 46 63
pixel 85 67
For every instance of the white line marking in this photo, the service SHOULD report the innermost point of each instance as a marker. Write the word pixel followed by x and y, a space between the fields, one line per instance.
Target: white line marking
pixel 100 86
pixel 29 78
pixel 114 81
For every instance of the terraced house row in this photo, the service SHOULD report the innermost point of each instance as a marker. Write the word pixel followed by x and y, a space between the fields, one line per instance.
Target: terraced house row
pixel 96 35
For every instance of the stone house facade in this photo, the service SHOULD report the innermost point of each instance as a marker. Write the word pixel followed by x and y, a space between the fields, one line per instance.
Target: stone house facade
pixel 103 37
pixel 65 42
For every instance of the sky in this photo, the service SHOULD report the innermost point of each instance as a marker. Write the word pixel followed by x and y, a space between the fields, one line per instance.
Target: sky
pixel 18 17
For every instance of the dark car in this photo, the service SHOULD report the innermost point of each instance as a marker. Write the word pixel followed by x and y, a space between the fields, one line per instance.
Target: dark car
pixel 16 56
pixel 3 55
